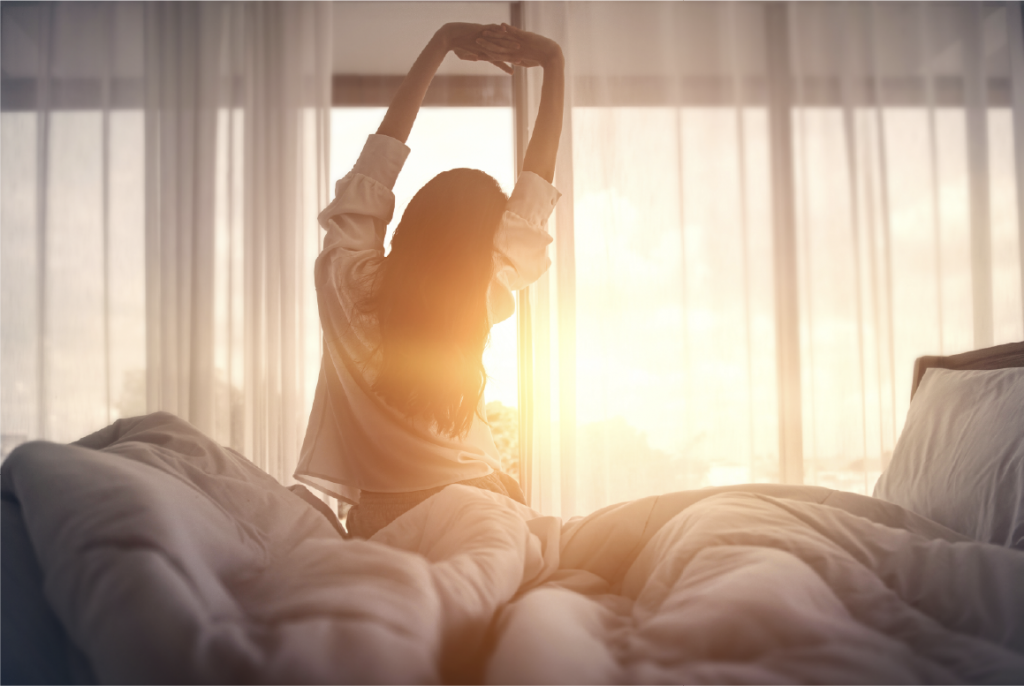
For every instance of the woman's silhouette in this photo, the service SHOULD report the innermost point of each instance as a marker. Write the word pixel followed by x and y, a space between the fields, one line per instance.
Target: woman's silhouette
pixel 397 412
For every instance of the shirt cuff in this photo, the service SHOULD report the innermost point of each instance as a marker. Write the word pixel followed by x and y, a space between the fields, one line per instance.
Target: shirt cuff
pixel 533 198
pixel 381 159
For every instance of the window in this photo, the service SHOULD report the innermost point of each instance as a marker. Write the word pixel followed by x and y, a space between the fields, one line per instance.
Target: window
pixel 72 200
pixel 775 208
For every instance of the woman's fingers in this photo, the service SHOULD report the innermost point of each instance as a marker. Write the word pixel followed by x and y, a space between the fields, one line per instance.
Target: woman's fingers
pixel 471 56
pixel 514 31
pixel 498 46
pixel 499 38
pixel 533 49
pixel 491 43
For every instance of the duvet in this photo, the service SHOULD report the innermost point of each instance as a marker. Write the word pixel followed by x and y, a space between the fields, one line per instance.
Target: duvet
pixel 167 558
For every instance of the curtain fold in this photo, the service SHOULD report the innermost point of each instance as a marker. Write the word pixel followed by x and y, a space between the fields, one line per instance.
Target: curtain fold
pixel 71 231
pixel 237 115
pixel 773 208
pixel 179 153
pixel 1015 39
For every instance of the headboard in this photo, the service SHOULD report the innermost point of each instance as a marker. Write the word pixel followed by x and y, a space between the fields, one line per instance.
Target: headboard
pixel 997 357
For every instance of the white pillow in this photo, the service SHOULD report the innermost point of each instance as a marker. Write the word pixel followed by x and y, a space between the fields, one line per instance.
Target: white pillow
pixel 960 458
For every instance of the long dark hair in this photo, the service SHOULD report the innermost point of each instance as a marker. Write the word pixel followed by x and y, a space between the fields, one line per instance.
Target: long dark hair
pixel 430 298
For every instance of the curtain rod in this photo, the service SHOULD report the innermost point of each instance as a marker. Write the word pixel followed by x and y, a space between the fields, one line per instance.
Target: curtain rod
pixel 434 2
pixel 948 3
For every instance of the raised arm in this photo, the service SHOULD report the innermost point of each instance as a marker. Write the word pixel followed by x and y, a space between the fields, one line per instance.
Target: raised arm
pixel 531 50
pixel 456 36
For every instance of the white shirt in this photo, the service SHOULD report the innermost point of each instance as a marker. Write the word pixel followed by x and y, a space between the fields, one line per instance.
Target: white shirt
pixel 355 441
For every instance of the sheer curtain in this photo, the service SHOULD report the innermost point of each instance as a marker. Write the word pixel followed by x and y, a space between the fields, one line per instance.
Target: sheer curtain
pixel 163 164
pixel 770 210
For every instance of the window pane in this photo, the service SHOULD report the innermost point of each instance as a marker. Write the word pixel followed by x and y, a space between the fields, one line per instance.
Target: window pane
pixel 19 311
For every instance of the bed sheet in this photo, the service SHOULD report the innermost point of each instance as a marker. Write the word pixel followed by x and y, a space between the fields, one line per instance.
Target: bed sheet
pixel 168 558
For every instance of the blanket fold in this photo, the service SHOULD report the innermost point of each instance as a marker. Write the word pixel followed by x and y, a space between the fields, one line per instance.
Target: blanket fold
pixel 168 558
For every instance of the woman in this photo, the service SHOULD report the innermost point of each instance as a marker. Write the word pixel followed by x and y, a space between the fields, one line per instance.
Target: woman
pixel 397 412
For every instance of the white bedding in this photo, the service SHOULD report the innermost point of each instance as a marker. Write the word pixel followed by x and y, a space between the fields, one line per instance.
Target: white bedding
pixel 170 559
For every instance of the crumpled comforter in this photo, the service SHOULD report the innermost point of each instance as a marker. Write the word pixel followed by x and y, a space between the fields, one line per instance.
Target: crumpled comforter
pixel 168 558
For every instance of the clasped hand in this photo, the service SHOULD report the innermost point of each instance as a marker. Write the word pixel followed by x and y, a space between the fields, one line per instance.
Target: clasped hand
pixel 500 44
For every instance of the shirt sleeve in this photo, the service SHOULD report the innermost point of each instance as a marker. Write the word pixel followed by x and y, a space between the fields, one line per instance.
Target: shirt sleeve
pixel 521 244
pixel 364 202
pixel 356 222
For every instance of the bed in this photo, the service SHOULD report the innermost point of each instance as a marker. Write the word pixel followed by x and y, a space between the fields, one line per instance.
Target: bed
pixel 147 553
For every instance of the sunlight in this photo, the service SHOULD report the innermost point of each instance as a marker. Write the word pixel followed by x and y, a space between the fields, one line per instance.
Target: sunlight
pixel 675 317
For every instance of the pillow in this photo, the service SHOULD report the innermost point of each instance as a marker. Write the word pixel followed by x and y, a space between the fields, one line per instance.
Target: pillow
pixel 960 458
